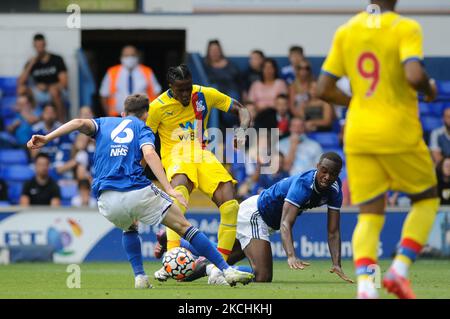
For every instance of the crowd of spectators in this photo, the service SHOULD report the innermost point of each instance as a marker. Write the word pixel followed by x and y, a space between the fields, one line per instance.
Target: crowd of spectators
pixel 277 96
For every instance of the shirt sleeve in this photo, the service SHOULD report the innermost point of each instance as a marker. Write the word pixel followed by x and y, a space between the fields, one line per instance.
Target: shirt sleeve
pixel 60 64
pixel 298 193
pixel 411 41
pixel 335 200
pixel 146 137
pixel 26 188
pixel 334 63
pixel 154 116
pixel 97 123
pixel 217 99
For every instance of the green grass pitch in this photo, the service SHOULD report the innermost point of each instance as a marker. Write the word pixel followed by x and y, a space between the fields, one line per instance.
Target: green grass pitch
pixel 431 279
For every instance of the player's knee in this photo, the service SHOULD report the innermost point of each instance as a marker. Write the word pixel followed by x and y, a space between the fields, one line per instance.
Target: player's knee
pixel 263 275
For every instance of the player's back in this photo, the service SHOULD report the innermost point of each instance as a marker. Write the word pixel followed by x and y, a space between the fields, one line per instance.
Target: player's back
pixel 371 50
pixel 118 153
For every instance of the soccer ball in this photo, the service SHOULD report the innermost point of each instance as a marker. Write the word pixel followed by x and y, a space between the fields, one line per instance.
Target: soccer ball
pixel 179 263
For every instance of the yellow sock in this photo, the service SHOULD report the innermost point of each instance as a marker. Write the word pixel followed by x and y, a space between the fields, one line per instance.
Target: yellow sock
pixel 365 241
pixel 173 239
pixel 227 228
pixel 415 233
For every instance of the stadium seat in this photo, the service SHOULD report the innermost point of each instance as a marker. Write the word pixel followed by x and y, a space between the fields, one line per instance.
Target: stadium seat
pixel 69 189
pixel 429 123
pixel 8 86
pixel 326 139
pixel 13 156
pixel 17 173
pixel 7 106
pixel 14 192
pixel 4 203
pixel 443 89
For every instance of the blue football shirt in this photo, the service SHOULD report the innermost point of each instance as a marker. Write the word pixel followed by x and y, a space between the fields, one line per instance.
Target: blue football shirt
pixel 118 154
pixel 299 190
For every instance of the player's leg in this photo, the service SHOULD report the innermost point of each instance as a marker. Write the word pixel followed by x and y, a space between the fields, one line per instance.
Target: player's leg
pixel 368 183
pixel 259 254
pixel 175 220
pixel 184 185
pixel 414 174
pixel 113 205
pixel 217 183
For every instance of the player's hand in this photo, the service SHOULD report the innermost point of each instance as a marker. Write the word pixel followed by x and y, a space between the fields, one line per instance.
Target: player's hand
pixel 338 271
pixel 432 97
pixel 295 263
pixel 36 142
pixel 178 196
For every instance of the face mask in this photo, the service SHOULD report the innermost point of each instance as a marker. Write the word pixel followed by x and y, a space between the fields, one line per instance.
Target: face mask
pixel 129 61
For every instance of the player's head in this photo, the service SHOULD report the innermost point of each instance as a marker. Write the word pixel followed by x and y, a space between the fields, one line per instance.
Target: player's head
pixel 179 79
pixel 328 169
pixel 385 4
pixel 39 44
pixel 137 105
pixel 42 165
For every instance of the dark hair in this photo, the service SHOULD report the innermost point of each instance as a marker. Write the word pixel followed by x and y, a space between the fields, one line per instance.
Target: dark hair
pixel 332 156
pixel 296 48
pixel 211 43
pixel 49 105
pixel 84 183
pixel 136 104
pixel 178 73
pixel 274 65
pixel 42 155
pixel 282 96
pixel 259 52
pixel 29 97
pixel 38 37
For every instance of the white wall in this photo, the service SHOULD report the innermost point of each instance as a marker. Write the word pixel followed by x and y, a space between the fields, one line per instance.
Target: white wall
pixel 238 33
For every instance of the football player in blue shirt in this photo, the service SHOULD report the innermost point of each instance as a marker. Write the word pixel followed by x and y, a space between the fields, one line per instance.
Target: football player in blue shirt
pixel 277 208
pixel 125 196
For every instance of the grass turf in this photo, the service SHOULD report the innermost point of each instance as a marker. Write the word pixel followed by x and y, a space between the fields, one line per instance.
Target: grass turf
pixel 431 279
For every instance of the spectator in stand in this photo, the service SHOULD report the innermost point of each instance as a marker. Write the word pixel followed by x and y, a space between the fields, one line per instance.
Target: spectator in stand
pixel 301 153
pixel 440 139
pixel 299 88
pixel 3 191
pixel 443 175
pixel 288 72
pixel 264 93
pixel 128 77
pixel 77 167
pixel 317 114
pixel 45 77
pixel 282 116
pixel 84 198
pixel 41 189
pixel 27 115
pixel 225 76
pixel 48 124
pixel 264 181
pixel 254 71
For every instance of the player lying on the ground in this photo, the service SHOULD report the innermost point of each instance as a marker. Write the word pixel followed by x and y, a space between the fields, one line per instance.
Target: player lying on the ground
pixel 277 208
pixel 125 195
pixel 180 117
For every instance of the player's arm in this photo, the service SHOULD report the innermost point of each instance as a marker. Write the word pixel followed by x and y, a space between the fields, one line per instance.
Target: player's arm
pixel 85 126
pixel 329 92
pixel 418 78
pixel 154 162
pixel 288 217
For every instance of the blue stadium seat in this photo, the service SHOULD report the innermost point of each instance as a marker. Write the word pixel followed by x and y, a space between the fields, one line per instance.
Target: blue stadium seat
pixel 7 106
pixel 424 109
pixel 13 156
pixel 326 139
pixel 17 173
pixel 14 192
pixel 69 189
pixel 4 203
pixel 443 89
pixel 8 85
pixel 66 202
pixel 429 123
